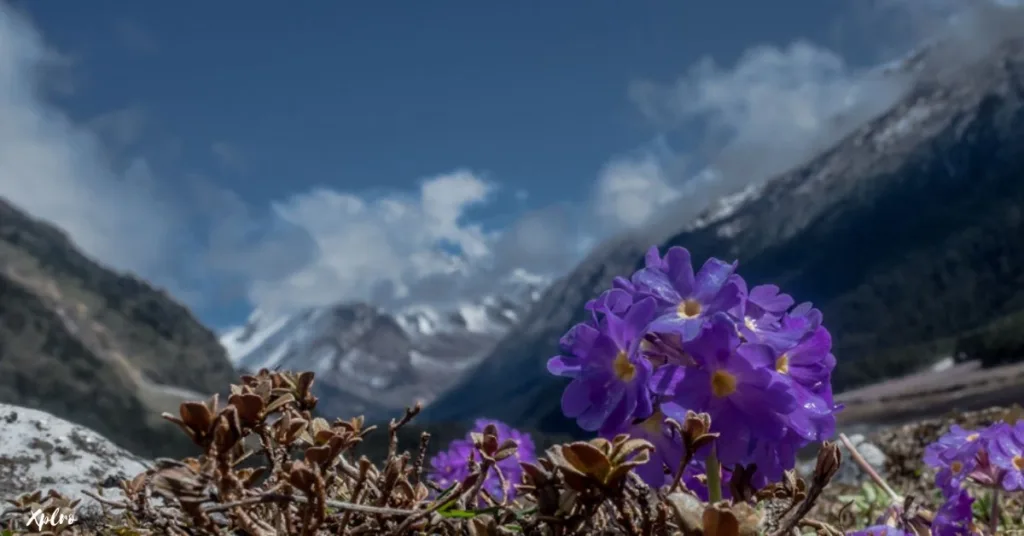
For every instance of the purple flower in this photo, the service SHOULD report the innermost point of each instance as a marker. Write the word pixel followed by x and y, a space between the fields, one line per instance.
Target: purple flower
pixel 950 445
pixel 1007 453
pixel 961 455
pixel 808 366
pixel 509 467
pixel 955 517
pixel 805 312
pixel 774 458
pixel 609 376
pixel 760 366
pixel 668 449
pixel 809 362
pixel 452 465
pixel 732 383
pixel 695 478
pixel 685 299
pixel 525 451
pixel 759 317
pixel 617 301
pixel 766 299
pixel 655 261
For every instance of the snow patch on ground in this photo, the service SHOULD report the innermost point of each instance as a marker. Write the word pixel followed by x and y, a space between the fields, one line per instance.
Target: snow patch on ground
pixel 41 451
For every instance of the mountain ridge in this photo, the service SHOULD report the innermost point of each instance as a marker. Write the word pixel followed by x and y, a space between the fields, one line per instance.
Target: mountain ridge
pixel 94 346
pixel 375 362
pixel 806 230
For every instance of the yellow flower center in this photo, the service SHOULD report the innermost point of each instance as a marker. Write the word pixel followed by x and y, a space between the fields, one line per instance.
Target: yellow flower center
pixel 624 370
pixel 973 437
pixel 782 364
pixel 689 308
pixel 1018 462
pixel 723 383
pixel 749 322
pixel 956 467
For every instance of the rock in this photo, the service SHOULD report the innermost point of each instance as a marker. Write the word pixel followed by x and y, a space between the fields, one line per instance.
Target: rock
pixel 41 452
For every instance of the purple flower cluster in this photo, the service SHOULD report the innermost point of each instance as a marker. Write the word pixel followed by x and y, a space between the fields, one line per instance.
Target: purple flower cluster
pixel 452 465
pixel 992 457
pixel 669 339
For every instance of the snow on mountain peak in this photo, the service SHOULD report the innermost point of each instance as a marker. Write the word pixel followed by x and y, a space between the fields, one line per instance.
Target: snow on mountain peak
pixel 368 360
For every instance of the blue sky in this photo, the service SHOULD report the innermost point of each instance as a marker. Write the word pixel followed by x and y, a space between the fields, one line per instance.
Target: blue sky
pixel 252 154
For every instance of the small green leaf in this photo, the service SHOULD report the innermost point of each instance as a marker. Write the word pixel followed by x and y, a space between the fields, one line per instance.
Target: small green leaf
pixel 448 501
pixel 869 492
pixel 457 514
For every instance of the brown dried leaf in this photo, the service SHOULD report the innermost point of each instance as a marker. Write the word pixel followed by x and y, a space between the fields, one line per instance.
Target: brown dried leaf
pixel 508 448
pixel 586 459
pixel 304 382
pixel 197 416
pixel 719 520
pixel 302 477
pixel 279 402
pixel 627 448
pixel 249 406
pixel 319 455
pixel 602 445
pixel 535 475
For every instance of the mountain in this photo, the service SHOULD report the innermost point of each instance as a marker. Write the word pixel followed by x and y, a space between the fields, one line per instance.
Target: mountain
pixel 372 362
pixel 906 233
pixel 95 347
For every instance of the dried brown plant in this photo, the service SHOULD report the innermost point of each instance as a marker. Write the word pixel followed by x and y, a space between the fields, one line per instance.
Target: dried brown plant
pixel 302 477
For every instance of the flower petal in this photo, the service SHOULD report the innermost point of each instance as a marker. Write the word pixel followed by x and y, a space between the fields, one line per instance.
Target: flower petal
pixel 711 278
pixel 575 398
pixel 679 268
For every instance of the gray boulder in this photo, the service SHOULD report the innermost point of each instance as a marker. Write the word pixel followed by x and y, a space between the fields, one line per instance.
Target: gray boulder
pixel 849 472
pixel 41 452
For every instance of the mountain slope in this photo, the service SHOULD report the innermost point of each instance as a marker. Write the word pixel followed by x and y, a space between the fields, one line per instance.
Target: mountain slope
pixel 374 363
pixel 906 233
pixel 98 348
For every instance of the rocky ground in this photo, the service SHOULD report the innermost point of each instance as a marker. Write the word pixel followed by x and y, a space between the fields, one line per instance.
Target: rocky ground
pixel 896 452
pixel 961 387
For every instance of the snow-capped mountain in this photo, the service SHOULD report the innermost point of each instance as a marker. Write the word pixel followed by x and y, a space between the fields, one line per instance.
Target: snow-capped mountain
pixel 374 362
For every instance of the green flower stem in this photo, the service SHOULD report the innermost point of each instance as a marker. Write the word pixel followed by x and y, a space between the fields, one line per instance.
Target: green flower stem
pixel 714 474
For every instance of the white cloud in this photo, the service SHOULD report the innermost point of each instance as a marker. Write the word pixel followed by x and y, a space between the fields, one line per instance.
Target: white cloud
pixel 375 249
pixel 59 171
pixel 630 191
pixel 313 248
pixel 770 111
pixel 773 110
pixel 778 107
